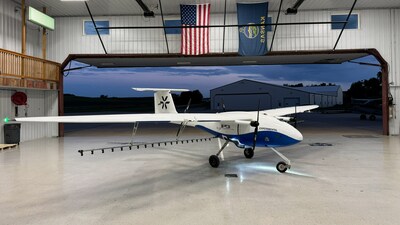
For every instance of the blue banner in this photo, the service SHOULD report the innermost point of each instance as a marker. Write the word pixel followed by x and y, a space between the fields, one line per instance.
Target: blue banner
pixel 252 39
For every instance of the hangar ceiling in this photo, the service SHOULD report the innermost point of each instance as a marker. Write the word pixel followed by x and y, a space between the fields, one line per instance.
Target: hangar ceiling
pixel 59 8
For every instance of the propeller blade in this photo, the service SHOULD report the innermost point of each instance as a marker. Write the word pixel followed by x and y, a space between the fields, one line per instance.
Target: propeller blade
pixel 256 124
pixel 255 137
pixel 295 116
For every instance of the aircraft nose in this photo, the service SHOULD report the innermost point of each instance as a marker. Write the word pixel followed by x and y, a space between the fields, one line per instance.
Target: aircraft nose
pixel 297 135
pixel 294 133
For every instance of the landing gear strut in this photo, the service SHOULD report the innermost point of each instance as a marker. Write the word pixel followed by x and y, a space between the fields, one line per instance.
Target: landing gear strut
pixel 214 159
pixel 282 166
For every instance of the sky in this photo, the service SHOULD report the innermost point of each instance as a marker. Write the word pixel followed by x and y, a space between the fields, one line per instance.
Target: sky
pixel 118 82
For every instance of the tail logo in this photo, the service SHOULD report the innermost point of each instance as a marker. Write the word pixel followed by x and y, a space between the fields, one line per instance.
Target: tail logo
pixel 164 102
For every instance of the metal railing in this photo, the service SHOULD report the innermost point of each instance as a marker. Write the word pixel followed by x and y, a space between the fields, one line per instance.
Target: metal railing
pixel 16 65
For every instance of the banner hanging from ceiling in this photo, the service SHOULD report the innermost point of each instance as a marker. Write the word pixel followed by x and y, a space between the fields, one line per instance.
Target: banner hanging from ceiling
pixel 252 39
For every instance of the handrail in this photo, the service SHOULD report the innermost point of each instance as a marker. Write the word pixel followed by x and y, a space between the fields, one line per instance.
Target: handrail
pixel 28 56
pixel 16 65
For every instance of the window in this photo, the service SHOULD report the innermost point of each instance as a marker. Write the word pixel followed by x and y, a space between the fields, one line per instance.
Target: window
pixel 172 23
pixel 88 27
pixel 351 24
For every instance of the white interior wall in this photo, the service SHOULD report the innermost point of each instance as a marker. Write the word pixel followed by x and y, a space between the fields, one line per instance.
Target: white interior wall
pixel 40 103
pixel 10 32
pixel 394 70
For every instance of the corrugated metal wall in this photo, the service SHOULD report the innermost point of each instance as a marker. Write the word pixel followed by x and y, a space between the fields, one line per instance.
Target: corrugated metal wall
pixel 248 91
pixel 40 103
pixel 10 30
pixel 372 33
pixel 394 70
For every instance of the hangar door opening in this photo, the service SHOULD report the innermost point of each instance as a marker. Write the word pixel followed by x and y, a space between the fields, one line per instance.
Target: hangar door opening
pixel 214 72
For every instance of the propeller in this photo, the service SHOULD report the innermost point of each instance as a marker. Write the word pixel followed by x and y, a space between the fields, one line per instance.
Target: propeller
pixel 255 124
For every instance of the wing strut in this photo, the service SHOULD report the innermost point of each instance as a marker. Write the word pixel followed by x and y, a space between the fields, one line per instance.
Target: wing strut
pixel 181 129
pixel 134 130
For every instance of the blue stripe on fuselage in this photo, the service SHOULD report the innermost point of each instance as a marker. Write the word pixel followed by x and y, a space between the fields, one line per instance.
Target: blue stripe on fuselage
pixel 264 138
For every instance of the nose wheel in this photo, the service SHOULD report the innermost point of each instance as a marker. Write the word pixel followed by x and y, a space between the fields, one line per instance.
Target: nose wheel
pixel 282 167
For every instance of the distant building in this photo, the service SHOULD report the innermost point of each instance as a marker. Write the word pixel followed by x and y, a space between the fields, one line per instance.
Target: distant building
pixel 334 93
pixel 246 95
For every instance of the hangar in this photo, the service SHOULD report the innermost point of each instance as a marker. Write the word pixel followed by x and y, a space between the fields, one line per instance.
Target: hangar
pixel 44 179
pixel 245 95
pixel 131 40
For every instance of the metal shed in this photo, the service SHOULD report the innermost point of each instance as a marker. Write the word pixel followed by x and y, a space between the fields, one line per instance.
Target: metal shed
pixel 246 94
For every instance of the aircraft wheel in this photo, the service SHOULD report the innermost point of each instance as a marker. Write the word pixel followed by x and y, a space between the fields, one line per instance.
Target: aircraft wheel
pixel 372 117
pixel 214 161
pixel 248 153
pixel 363 117
pixel 282 167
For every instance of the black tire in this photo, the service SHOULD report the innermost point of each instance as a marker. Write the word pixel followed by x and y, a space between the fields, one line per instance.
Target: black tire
pixel 281 167
pixel 363 117
pixel 372 117
pixel 214 161
pixel 248 153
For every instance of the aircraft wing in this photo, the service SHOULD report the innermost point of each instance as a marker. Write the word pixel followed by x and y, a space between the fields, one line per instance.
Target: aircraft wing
pixel 288 110
pixel 167 117
pixel 131 118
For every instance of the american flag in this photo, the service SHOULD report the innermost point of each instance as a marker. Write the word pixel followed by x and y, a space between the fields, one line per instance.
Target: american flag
pixel 195 41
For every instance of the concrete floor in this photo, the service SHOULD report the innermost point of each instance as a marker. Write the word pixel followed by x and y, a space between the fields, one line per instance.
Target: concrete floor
pixel 355 181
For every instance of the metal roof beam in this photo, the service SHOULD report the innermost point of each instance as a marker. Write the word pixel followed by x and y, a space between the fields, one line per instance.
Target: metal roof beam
pixel 95 27
pixel 344 26
pixel 277 21
pixel 163 22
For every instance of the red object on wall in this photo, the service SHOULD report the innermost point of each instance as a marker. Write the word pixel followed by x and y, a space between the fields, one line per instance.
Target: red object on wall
pixel 19 98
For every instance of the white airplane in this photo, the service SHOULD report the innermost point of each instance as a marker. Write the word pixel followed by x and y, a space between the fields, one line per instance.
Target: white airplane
pixel 247 130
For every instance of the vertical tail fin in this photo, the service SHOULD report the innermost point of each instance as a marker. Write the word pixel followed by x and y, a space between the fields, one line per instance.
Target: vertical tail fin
pixel 163 102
